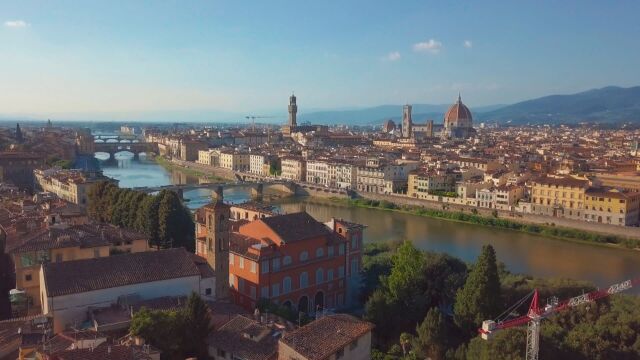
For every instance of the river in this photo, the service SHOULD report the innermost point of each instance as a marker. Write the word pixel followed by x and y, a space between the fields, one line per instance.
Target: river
pixel 521 252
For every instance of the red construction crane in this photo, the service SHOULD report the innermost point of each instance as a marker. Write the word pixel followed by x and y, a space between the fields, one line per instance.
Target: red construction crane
pixel 536 314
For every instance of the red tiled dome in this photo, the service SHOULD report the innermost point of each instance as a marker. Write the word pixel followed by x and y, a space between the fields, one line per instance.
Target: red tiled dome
pixel 458 115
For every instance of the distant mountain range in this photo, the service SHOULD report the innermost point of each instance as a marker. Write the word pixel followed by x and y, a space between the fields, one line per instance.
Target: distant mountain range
pixel 606 105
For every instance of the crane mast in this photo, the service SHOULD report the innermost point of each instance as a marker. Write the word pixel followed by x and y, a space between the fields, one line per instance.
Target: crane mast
pixel 536 314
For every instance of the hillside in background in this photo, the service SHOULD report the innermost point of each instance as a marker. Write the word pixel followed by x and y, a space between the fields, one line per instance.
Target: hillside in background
pixel 606 105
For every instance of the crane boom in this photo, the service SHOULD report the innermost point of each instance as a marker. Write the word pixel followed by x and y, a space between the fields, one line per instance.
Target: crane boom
pixel 536 314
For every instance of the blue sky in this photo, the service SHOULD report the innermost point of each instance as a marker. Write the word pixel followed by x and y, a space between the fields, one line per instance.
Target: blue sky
pixel 71 58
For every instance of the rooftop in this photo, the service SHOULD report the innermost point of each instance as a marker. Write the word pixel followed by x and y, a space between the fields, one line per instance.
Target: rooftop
pixel 325 336
pixel 72 277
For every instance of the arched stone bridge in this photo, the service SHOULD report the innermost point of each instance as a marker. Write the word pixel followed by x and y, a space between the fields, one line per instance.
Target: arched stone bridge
pixel 257 188
pixel 135 148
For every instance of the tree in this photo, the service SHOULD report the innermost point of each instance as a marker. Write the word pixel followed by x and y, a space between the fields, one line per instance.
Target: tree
pixel 479 299
pixel 168 219
pixel 149 221
pixel 162 329
pixel 406 273
pixel 179 334
pixel 432 335
pixel 197 323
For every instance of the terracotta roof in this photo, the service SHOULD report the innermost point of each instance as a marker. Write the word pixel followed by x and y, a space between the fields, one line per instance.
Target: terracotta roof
pixel 104 352
pixel 295 226
pixel 321 338
pixel 83 236
pixel 246 338
pixel 564 181
pixel 458 115
pixel 72 277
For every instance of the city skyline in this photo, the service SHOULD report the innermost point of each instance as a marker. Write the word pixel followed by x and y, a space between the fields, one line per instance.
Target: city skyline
pixel 103 60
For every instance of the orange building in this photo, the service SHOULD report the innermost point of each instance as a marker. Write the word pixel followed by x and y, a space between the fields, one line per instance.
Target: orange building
pixel 294 260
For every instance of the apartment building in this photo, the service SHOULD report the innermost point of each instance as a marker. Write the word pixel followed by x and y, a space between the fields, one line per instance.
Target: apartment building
pixel 342 175
pixel 233 160
pixel 384 178
pixel 259 164
pixel 559 196
pixel 422 183
pixel 293 168
pixel 318 172
pixel 612 206
pixel 70 185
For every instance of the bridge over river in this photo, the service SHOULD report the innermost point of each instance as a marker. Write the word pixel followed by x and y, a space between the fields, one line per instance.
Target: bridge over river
pixel 257 188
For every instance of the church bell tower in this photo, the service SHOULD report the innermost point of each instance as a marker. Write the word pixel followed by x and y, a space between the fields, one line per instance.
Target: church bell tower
pixel 218 230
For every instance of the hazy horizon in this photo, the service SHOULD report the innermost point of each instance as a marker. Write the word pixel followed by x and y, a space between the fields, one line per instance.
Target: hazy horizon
pixel 123 60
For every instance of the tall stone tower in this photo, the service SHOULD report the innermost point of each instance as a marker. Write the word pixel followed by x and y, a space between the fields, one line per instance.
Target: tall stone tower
pixel 407 124
pixel 217 219
pixel 293 111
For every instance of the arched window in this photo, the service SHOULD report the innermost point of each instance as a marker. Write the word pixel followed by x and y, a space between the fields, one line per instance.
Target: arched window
pixel 304 256
pixel 286 260
pixel 304 280
pixel 286 285
pixel 319 276
pixel 319 252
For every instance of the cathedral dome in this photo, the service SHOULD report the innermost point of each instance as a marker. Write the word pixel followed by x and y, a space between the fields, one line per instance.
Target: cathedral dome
pixel 458 115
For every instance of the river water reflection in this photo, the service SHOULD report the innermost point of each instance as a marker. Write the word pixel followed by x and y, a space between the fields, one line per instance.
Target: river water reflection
pixel 521 252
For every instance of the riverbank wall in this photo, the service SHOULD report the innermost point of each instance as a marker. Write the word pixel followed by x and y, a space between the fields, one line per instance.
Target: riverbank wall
pixel 604 229
pixel 304 189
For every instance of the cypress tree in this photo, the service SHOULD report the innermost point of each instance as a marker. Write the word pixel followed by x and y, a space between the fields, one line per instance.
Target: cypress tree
pixel 197 323
pixel 479 299
pixel 432 335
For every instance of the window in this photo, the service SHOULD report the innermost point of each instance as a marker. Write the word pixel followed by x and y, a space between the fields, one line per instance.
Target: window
pixel 329 274
pixel 264 267
pixel 253 292
pixel 341 249
pixel 240 284
pixel 330 251
pixel 354 267
pixel 319 276
pixel 286 285
pixel 207 291
pixel 27 277
pixel 264 292
pixel 231 259
pixel 341 272
pixel 319 252
pixel 96 253
pixel 275 290
pixel 286 261
pixel 276 264
pixel 254 267
pixel 304 280
pixel 304 256
pixel 354 241
pixel 241 262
